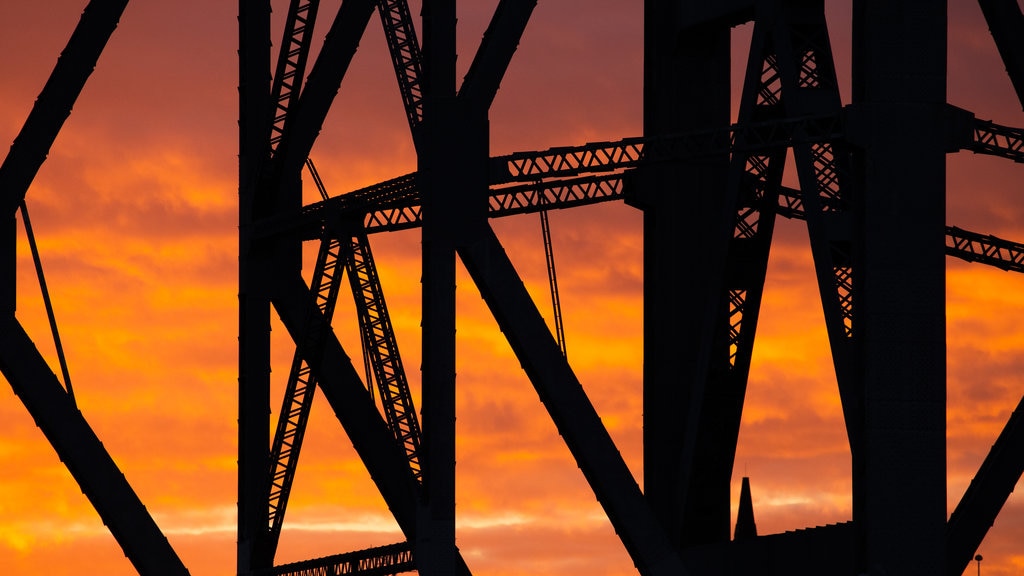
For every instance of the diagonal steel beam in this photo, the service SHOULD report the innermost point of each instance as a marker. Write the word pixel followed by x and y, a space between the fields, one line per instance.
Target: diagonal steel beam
pixel 51 109
pixel 83 454
pixel 53 106
pixel 569 407
pixel 986 494
pixel 323 83
pixel 1006 23
pixel 495 52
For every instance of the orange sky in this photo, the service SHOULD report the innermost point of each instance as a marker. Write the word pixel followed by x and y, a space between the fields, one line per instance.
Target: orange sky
pixel 136 215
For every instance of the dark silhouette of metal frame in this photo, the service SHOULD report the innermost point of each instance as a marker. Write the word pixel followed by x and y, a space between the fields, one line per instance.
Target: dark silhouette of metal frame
pixel 710 192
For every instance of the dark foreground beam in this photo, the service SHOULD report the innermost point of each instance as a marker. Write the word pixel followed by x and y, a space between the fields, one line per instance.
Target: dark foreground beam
pixel 84 455
pixel 495 53
pixel 324 81
pixel 986 494
pixel 1006 23
pixel 53 106
pixel 569 407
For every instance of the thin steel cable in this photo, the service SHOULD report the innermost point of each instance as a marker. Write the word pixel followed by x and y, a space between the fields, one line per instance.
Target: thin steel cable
pixel 46 301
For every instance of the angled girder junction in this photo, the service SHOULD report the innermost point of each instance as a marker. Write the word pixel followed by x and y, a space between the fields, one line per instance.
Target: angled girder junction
pixel 379 561
pixel 51 108
pixel 53 105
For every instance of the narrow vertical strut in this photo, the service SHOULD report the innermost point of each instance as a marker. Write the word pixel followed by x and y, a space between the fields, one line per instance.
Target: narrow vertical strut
pixel 253 299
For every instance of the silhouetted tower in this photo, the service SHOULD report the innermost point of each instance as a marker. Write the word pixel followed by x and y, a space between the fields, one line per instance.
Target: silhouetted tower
pixel 710 191
pixel 746 528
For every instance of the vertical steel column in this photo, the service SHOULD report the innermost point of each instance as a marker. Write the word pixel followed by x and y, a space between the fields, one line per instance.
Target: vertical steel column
pixel 8 263
pixel 253 299
pixel 899 88
pixel 686 87
pixel 438 165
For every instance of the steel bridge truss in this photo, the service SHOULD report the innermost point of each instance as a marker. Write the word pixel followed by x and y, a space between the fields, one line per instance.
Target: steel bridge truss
pixel 679 524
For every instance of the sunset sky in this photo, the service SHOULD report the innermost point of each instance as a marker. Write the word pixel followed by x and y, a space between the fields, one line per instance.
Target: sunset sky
pixel 135 212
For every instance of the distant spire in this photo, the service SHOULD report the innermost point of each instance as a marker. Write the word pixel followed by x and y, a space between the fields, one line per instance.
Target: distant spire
pixel 745 526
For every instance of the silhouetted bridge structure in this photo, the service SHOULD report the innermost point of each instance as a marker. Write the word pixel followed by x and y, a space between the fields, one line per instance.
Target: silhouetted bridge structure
pixel 710 191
